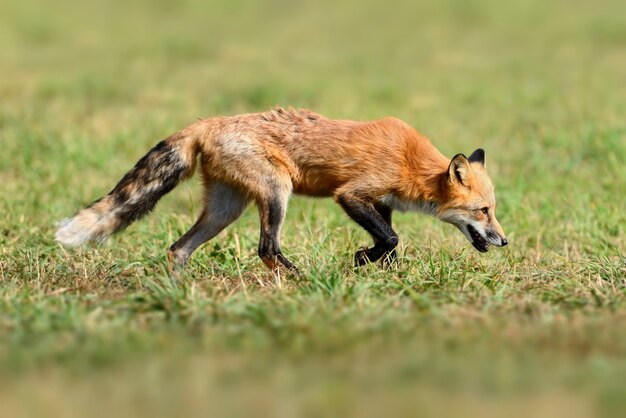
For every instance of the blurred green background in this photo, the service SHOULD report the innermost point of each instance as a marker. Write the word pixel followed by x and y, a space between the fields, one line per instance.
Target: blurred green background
pixel 538 328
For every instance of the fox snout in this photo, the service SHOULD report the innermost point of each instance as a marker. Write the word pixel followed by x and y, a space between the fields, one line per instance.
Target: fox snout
pixel 496 238
pixel 479 229
pixel 496 234
pixel 482 237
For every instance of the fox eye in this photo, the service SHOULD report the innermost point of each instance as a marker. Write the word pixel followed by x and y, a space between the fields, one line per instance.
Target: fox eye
pixel 485 210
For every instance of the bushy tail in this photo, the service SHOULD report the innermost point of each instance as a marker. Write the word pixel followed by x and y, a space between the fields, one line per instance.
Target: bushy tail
pixel 159 171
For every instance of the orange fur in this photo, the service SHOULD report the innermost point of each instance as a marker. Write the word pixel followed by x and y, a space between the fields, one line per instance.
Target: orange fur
pixel 320 156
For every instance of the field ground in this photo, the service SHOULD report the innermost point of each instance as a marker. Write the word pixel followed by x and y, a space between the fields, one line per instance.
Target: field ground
pixel 535 329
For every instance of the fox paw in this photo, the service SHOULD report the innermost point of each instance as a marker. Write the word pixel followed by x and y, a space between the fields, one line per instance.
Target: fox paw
pixel 361 257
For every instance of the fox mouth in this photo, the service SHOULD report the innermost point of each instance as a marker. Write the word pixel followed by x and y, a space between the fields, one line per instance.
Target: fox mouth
pixel 478 241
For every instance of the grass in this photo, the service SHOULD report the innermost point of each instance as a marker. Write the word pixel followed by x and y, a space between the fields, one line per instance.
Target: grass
pixel 536 328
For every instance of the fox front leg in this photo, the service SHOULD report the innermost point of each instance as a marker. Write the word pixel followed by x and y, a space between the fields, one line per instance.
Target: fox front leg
pixel 378 225
pixel 385 211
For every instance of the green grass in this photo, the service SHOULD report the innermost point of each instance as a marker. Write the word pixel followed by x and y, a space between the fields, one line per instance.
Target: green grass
pixel 537 328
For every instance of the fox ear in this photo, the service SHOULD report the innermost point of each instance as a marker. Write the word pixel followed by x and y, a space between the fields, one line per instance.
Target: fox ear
pixel 477 156
pixel 459 169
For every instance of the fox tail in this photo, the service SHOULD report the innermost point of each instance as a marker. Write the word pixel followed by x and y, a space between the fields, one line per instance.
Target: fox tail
pixel 158 172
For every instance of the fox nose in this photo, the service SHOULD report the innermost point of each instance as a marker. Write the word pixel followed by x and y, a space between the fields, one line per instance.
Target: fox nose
pixel 504 242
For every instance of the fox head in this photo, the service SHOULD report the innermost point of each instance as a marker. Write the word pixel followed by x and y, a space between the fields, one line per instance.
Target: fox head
pixel 470 201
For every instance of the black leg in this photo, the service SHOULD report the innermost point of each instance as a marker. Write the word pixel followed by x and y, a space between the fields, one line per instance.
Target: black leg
pixel 366 215
pixel 385 211
pixel 272 215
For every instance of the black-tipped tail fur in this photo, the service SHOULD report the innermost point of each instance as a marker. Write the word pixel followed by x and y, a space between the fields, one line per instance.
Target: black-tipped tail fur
pixel 137 193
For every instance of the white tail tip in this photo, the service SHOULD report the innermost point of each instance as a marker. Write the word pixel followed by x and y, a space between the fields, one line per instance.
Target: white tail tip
pixel 85 226
pixel 72 233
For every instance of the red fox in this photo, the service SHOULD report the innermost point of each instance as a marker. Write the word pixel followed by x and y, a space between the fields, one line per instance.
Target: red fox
pixel 369 168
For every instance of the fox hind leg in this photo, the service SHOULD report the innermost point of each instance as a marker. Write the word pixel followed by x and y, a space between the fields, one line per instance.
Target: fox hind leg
pixel 223 205
pixel 272 210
